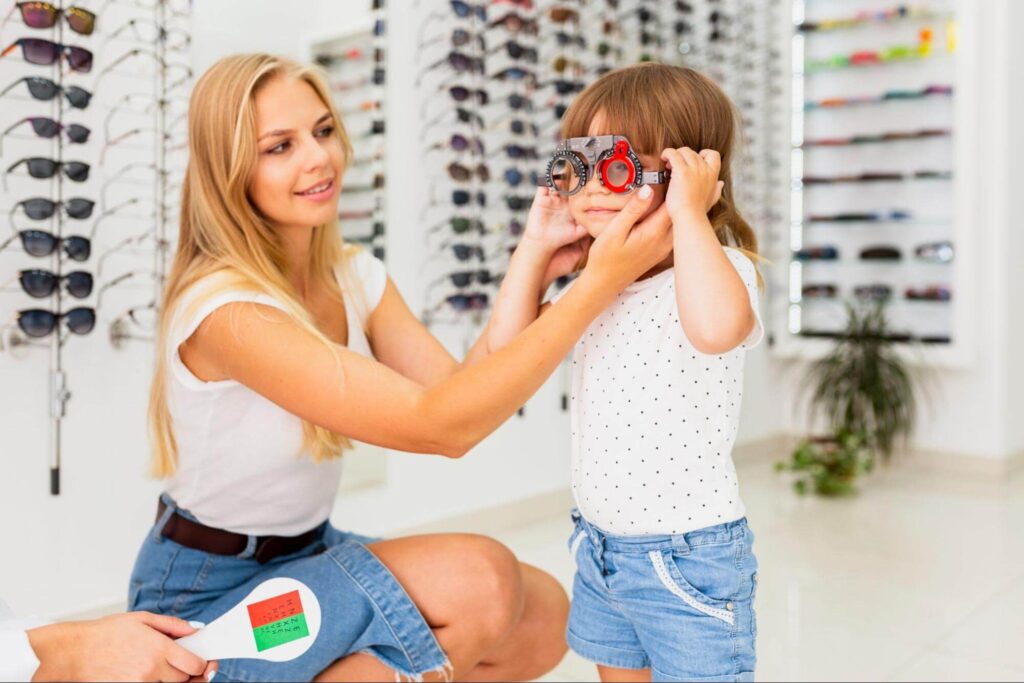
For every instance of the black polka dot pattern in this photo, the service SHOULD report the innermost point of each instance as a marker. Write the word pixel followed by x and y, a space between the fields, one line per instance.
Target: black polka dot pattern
pixel 653 419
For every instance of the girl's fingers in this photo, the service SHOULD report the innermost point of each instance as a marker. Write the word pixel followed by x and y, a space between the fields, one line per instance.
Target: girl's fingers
pixel 713 159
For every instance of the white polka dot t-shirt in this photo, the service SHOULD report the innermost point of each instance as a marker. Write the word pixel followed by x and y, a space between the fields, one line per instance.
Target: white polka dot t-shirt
pixel 653 419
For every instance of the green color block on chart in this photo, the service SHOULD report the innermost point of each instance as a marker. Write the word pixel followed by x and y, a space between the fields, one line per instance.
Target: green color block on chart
pixel 280 632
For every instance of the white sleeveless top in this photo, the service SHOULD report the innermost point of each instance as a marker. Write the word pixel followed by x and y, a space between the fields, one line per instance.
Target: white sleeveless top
pixel 241 464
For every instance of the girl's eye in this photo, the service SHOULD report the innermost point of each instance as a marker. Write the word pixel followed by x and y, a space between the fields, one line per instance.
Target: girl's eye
pixel 326 132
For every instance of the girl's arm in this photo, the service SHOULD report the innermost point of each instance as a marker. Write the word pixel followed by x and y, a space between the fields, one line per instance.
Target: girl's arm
pixel 551 246
pixel 263 349
pixel 713 302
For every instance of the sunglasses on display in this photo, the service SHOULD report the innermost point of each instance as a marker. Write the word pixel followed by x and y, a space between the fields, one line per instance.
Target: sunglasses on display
pixel 41 167
pixel 881 253
pixel 935 252
pixel 468 277
pixel 930 293
pixel 459 37
pixel 513 151
pixel 40 243
pixel 877 292
pixel 477 301
pixel 822 253
pixel 38 323
pixel 45 127
pixel 45 15
pixel 462 115
pixel 44 89
pixel 608 157
pixel 46 52
pixel 460 225
pixel 516 50
pixel 459 143
pixel 461 173
pixel 40 284
pixel 819 291
pixel 515 24
pixel 149 32
pixel 460 62
pixel 41 209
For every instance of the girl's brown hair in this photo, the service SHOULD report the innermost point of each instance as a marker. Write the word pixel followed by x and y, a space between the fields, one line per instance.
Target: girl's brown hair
pixel 657 106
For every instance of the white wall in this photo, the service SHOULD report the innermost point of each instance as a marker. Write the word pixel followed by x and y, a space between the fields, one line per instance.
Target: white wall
pixel 1014 310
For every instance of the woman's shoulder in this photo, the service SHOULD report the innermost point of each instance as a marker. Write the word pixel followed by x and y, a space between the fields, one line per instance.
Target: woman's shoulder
pixel 361 269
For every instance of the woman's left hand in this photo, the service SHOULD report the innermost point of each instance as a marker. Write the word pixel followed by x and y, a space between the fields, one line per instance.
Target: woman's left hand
pixel 694 185
pixel 550 230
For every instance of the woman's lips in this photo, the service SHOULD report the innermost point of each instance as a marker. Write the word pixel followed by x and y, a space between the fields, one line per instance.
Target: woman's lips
pixel 327 189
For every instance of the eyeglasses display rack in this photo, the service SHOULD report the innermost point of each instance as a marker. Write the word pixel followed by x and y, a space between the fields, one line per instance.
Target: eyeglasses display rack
pixel 112 155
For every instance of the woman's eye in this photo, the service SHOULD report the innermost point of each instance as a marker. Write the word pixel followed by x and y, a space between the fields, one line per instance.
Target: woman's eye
pixel 326 132
pixel 278 149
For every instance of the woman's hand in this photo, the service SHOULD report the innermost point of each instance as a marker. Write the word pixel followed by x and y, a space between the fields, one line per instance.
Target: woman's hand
pixel 694 185
pixel 627 249
pixel 137 646
pixel 551 232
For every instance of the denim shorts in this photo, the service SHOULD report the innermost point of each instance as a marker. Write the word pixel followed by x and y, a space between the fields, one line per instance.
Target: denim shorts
pixel 363 606
pixel 681 605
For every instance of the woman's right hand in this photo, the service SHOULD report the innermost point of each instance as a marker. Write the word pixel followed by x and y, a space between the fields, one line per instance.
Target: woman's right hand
pixel 628 249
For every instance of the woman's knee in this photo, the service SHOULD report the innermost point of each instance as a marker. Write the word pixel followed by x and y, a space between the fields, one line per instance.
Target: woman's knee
pixel 494 580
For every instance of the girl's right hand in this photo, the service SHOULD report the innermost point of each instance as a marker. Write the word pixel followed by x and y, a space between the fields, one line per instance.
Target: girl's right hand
pixel 627 249
pixel 552 234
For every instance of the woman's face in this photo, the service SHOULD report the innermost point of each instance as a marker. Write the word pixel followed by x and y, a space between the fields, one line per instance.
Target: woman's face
pixel 595 206
pixel 298 172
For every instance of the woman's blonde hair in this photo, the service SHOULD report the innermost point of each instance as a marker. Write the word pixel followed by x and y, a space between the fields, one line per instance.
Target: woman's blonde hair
pixel 222 232
pixel 657 106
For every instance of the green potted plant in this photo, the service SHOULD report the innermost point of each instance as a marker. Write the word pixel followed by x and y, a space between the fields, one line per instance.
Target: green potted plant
pixel 864 391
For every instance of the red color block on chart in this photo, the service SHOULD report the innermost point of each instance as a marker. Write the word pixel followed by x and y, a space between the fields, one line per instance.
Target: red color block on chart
pixel 275 609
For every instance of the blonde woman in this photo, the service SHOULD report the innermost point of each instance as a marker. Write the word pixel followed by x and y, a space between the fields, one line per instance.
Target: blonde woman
pixel 277 345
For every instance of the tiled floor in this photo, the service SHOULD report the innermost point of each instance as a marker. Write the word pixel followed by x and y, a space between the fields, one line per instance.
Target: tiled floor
pixel 920 577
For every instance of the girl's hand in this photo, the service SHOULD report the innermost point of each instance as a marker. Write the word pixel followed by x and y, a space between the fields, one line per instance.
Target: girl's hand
pixel 694 185
pixel 625 250
pixel 551 231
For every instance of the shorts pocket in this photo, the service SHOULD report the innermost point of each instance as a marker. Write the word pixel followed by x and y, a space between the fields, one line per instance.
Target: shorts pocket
pixel 668 573
pixel 575 541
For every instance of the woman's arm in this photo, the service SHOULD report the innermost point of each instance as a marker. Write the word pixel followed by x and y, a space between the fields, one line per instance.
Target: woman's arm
pixel 713 303
pixel 262 348
pixel 551 246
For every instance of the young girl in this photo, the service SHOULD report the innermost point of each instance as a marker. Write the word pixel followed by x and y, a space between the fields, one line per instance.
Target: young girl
pixel 665 576
pixel 277 344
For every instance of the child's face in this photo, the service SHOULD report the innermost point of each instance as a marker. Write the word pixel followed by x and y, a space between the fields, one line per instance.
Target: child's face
pixel 595 206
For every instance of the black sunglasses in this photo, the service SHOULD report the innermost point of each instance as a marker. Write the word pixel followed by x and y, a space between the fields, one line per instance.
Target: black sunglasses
pixel 46 52
pixel 40 208
pixel 467 277
pixel 464 197
pixel 37 322
pixel 40 243
pixel 40 284
pixel 464 252
pixel 460 93
pixel 41 167
pixel 44 89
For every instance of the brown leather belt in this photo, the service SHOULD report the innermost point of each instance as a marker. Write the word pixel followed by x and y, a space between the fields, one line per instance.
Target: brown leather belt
pixel 208 539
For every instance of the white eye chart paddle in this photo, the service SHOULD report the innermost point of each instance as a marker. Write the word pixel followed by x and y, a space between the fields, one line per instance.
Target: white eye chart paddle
pixel 278 621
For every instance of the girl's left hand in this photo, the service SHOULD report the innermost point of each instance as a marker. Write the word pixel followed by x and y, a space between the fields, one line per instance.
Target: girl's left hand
pixel 694 185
